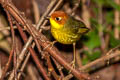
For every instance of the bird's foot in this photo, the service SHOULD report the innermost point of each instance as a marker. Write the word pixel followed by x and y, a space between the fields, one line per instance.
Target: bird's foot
pixel 73 65
pixel 50 44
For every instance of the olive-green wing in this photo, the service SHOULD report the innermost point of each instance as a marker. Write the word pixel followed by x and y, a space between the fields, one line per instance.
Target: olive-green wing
pixel 77 26
pixel 82 28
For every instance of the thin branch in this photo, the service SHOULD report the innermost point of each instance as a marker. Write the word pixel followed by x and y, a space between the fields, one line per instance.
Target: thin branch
pixel 12 51
pixel 8 27
pixel 59 67
pixel 75 7
pixel 85 13
pixel 31 72
pixel 117 21
pixel 25 62
pixel 23 65
pixel 112 54
pixel 50 67
pixel 0 68
pixel 38 63
pixel 13 44
pixel 36 11
pixel 7 65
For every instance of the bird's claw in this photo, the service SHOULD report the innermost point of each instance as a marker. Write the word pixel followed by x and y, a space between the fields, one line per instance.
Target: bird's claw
pixel 73 65
pixel 50 44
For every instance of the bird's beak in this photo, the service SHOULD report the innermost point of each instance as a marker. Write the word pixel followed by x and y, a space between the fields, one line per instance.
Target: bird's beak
pixel 47 17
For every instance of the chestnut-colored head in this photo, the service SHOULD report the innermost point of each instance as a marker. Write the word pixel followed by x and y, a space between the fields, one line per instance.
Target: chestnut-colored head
pixel 58 19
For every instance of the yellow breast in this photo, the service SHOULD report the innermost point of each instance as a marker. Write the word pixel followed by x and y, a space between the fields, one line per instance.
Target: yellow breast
pixel 63 37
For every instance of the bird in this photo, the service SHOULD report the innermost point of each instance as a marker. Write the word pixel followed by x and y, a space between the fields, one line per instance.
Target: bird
pixel 67 30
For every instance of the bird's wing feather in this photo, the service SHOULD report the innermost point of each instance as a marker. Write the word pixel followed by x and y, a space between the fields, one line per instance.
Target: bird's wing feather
pixel 77 26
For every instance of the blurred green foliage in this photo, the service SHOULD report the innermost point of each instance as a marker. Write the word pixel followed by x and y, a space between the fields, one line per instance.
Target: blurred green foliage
pixel 93 39
pixel 113 41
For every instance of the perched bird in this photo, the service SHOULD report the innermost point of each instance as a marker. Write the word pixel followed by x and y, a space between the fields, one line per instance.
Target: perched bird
pixel 67 30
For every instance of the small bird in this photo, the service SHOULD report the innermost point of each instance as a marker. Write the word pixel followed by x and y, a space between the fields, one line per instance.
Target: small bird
pixel 67 30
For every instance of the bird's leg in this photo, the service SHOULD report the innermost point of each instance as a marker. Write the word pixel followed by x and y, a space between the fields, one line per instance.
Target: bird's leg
pixel 50 44
pixel 74 57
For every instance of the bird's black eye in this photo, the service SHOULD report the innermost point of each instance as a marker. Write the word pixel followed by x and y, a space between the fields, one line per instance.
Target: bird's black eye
pixel 58 18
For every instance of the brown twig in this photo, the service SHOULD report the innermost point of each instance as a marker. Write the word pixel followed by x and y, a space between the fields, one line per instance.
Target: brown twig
pixel 68 77
pixel 31 72
pixel 116 21
pixel 36 11
pixel 59 67
pixel 42 70
pixel 13 44
pixel 85 13
pixel 50 66
pixel 112 54
pixel 8 27
pixel 0 68
pixel 38 63
pixel 7 65
pixel 12 51
pixel 107 36
pixel 23 65
pixel 25 62
pixel 75 7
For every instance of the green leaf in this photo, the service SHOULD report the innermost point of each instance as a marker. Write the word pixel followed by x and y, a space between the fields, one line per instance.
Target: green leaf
pixel 94 55
pixel 93 40
pixel 90 56
pixel 85 61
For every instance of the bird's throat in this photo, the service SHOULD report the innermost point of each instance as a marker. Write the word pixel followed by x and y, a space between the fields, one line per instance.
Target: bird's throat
pixel 54 24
